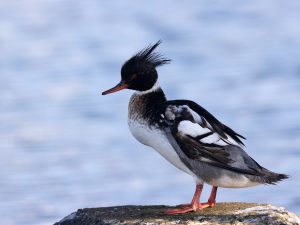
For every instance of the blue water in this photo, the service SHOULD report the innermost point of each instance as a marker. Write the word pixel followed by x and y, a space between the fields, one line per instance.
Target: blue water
pixel 64 146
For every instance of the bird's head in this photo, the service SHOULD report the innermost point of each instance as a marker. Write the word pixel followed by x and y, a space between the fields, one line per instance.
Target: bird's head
pixel 139 72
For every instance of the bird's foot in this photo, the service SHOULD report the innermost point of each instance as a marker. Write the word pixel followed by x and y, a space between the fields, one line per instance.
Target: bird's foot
pixel 185 208
pixel 208 204
pixel 182 210
pixel 201 205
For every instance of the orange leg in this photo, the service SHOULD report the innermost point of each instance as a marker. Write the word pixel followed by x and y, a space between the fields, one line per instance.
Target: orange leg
pixel 212 198
pixel 194 206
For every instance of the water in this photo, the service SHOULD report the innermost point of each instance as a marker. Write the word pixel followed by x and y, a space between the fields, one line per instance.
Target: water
pixel 64 146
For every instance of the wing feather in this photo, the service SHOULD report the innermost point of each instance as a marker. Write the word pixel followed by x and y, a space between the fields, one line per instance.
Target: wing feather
pixel 200 136
pixel 213 155
pixel 206 120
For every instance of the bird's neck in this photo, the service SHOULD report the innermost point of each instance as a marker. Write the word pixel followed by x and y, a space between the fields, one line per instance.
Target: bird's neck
pixel 154 88
pixel 145 104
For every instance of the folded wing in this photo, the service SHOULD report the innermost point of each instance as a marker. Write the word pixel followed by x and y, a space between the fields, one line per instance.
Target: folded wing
pixel 200 136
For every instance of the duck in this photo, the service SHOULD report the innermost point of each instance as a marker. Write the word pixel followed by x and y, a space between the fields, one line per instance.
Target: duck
pixel 186 134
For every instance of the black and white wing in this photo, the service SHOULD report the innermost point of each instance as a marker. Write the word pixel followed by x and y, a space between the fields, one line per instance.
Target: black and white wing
pixel 197 134
pixel 190 118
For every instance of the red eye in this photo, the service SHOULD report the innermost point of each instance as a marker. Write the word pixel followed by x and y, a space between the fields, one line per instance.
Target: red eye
pixel 132 77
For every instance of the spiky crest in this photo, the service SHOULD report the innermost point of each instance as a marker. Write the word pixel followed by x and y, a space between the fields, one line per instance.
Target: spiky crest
pixel 148 56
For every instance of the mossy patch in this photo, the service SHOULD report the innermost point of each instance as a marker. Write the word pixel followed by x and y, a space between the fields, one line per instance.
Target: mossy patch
pixel 222 213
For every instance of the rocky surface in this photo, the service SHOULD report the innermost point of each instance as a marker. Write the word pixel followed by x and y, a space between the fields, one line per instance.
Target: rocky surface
pixel 222 213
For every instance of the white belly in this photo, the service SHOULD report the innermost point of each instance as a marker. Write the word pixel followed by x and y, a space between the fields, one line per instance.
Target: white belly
pixel 157 140
pixel 238 182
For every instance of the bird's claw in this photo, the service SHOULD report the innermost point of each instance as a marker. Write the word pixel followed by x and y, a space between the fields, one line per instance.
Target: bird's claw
pixel 185 208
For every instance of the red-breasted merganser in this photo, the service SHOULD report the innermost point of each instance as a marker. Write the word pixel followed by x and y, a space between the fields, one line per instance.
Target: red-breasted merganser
pixel 186 134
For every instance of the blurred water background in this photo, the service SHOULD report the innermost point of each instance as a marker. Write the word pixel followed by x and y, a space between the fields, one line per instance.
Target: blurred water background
pixel 64 146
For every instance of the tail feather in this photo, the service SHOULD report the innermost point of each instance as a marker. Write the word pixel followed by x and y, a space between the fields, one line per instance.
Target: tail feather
pixel 269 177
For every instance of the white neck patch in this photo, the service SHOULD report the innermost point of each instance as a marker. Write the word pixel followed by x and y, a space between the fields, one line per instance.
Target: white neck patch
pixel 154 88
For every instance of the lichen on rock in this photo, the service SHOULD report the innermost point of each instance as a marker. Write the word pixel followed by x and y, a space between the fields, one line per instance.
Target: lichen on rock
pixel 222 213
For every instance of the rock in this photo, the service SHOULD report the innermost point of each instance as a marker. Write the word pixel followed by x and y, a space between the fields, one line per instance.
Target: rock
pixel 222 213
